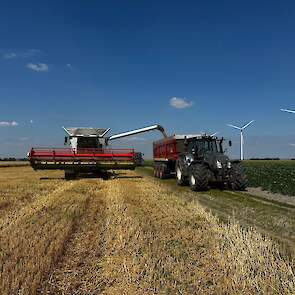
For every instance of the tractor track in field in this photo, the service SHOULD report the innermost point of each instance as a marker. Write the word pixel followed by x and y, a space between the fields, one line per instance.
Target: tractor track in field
pixel 76 270
pixel 115 245
pixel 269 216
pixel 263 200
pixel 259 196
pixel 11 216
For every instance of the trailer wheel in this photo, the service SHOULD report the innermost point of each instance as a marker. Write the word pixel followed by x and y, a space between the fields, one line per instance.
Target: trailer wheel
pixel 166 171
pixel 162 171
pixel 238 178
pixel 199 177
pixel 70 175
pixel 180 177
pixel 156 170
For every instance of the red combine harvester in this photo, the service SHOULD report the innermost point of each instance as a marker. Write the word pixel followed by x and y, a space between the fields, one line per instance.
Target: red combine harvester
pixel 88 152
pixel 198 160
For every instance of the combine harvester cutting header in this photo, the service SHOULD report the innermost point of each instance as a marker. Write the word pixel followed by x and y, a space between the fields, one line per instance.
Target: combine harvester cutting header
pixel 88 152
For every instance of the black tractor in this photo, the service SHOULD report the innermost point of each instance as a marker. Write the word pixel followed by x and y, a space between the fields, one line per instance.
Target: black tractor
pixel 203 163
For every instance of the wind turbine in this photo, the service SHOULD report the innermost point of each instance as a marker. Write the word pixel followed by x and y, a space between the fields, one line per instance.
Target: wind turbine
pixel 288 111
pixel 215 133
pixel 241 137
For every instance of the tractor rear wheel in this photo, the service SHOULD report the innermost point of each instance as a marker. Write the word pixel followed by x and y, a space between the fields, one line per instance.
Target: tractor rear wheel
pixel 238 179
pixel 180 177
pixel 199 177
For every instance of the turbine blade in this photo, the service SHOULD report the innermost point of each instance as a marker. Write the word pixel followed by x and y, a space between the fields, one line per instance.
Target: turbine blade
pixel 288 111
pixel 233 126
pixel 246 125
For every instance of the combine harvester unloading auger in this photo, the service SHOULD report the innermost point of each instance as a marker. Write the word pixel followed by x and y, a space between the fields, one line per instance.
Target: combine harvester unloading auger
pixel 88 152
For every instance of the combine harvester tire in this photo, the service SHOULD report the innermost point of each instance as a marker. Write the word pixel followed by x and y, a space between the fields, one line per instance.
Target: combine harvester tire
pixel 70 175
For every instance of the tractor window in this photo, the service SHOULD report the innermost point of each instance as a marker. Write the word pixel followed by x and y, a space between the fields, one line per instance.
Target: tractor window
pixel 212 146
pixel 203 146
pixel 219 146
pixel 200 147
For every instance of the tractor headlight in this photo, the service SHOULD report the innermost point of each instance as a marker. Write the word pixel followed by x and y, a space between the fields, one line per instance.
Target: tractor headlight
pixel 228 165
pixel 218 164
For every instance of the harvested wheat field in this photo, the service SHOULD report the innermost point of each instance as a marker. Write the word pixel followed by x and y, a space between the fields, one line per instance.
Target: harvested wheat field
pixel 127 235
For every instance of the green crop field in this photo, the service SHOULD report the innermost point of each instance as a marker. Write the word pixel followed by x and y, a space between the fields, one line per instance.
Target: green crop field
pixel 273 176
pixel 277 176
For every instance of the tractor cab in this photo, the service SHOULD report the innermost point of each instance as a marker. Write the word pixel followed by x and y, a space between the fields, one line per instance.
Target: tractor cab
pixel 199 146
pixel 205 144
pixel 209 150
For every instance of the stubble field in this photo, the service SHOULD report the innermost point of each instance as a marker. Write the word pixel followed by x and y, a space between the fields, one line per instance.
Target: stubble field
pixel 127 235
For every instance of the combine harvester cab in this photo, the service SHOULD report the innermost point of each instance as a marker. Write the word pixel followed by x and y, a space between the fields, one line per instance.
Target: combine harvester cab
pixel 88 152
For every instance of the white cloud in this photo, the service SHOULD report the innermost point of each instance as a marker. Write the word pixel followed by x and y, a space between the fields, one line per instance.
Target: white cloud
pixel 24 138
pixel 31 121
pixel 9 55
pixel 70 66
pixel 180 103
pixel 30 52
pixel 38 67
pixel 16 54
pixel 8 124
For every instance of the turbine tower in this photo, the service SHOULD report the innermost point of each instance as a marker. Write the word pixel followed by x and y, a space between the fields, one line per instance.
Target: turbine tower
pixel 241 137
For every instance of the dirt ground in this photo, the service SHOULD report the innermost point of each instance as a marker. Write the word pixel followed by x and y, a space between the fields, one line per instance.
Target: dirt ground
pixel 126 235
pixel 257 191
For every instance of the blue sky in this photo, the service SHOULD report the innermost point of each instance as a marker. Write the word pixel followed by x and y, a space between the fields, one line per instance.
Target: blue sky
pixel 119 63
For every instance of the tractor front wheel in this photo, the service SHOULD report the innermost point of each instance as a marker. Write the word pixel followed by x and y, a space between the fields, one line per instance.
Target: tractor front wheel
pixel 199 178
pixel 180 177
